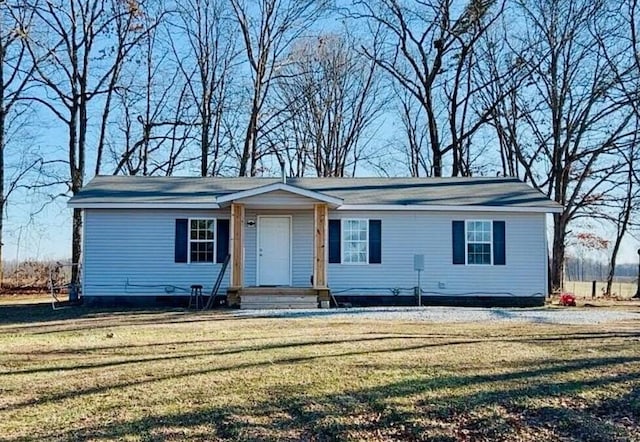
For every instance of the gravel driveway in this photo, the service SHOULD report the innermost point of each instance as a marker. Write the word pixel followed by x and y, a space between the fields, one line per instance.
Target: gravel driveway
pixel 454 314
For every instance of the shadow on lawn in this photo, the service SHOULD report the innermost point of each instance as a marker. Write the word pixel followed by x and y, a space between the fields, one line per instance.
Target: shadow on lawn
pixel 365 413
pixel 42 319
pixel 188 373
pixel 241 349
pixel 188 353
pixel 42 312
pixel 510 337
pixel 482 412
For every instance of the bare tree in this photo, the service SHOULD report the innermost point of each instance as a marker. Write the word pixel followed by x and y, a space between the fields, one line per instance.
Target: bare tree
pixel 430 50
pixel 505 69
pixel 155 125
pixel 268 28
pixel 78 64
pixel 207 68
pixel 623 214
pixel 330 95
pixel 130 26
pixel 566 123
pixel 622 219
pixel 15 70
pixel 289 138
pixel 414 147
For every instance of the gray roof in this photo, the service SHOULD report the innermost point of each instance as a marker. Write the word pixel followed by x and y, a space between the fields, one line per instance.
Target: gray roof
pixel 455 192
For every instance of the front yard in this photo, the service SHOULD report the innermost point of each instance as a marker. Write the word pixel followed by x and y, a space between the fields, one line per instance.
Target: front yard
pixel 81 374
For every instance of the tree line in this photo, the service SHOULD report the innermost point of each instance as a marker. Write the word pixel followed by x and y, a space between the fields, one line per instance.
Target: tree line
pixel 544 90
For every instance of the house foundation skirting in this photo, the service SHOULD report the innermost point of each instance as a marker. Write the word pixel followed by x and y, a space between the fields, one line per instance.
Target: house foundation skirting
pixel 323 299
pixel 444 301
pixel 141 301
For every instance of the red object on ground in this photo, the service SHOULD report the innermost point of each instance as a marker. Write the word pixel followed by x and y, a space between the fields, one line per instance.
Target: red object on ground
pixel 568 299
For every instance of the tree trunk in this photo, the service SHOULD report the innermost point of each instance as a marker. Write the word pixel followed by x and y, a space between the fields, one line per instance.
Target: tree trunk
pixel 437 163
pixel 247 162
pixel 558 252
pixel 436 152
pixel 2 200
pixel 457 161
pixel 76 245
pixel 204 145
pixel 246 150
pixel 76 175
pixel 622 225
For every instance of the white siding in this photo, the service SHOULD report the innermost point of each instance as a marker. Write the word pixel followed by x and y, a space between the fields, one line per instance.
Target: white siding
pixel 131 253
pixel 277 199
pixel 429 233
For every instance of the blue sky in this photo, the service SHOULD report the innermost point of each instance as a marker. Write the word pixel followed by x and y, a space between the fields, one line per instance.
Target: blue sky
pixel 38 226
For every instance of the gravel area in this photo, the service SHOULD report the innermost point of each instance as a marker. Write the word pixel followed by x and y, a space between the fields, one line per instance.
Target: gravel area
pixel 453 314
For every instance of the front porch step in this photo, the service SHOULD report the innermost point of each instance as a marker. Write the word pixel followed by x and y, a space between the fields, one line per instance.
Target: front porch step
pixel 280 297
pixel 278 301
pixel 278 291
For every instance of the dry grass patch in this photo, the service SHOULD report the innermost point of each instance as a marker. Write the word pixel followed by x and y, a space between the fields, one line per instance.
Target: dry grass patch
pixel 81 374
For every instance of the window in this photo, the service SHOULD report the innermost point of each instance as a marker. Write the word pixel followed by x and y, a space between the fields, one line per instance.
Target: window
pixel 479 242
pixel 195 240
pixel 201 240
pixel 355 241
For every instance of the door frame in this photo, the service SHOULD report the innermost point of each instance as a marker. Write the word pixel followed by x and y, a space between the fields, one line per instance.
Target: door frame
pixel 290 246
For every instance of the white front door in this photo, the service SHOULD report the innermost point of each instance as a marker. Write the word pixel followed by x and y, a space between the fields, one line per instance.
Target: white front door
pixel 274 250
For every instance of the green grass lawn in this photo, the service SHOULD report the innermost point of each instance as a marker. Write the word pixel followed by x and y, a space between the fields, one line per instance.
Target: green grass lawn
pixel 82 374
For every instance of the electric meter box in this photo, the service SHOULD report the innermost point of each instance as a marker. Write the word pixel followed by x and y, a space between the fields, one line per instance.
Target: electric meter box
pixel 418 263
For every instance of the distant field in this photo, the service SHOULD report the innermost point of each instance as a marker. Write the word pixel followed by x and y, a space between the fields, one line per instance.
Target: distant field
pixel 81 374
pixel 583 288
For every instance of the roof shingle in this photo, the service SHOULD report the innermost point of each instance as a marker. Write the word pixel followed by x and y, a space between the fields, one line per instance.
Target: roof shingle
pixel 455 192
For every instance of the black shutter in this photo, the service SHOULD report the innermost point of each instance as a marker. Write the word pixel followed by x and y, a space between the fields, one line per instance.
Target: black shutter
pixel 458 242
pixel 181 240
pixel 222 239
pixel 334 241
pixel 375 241
pixel 499 253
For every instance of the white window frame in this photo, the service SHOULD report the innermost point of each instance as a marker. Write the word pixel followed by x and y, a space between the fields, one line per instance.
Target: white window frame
pixel 343 221
pixel 466 242
pixel 189 240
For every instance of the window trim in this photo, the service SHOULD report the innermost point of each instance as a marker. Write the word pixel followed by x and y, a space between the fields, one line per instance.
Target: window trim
pixel 343 239
pixel 189 240
pixel 466 242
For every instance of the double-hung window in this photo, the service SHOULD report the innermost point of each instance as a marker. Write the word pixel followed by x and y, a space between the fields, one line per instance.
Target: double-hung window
pixel 202 239
pixel 355 241
pixel 479 241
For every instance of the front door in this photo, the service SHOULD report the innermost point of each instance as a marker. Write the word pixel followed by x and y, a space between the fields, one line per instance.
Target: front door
pixel 274 250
